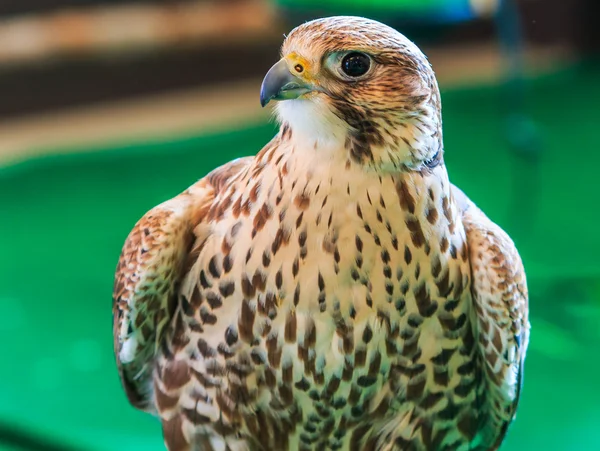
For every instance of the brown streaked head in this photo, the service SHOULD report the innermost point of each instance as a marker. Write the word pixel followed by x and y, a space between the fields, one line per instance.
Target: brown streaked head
pixel 361 82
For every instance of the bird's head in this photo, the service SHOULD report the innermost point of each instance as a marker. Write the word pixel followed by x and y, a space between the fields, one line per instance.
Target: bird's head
pixel 356 83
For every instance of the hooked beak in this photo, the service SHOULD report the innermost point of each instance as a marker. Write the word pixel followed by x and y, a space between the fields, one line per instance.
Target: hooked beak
pixel 281 84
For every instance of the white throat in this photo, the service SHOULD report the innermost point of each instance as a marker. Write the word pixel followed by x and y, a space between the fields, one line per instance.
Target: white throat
pixel 313 124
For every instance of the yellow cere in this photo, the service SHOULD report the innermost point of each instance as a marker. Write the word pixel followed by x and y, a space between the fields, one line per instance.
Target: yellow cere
pixel 300 67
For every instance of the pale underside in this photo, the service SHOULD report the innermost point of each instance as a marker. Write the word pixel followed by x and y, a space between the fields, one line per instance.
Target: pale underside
pixel 274 306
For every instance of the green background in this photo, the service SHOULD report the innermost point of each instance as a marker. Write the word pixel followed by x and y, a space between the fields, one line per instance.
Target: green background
pixel 63 220
pixel 426 10
pixel 397 5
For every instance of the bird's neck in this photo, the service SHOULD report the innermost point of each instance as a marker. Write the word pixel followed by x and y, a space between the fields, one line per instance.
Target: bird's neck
pixel 306 192
pixel 383 141
pixel 305 166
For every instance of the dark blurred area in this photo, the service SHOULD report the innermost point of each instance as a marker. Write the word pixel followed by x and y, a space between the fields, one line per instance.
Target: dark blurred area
pixel 109 107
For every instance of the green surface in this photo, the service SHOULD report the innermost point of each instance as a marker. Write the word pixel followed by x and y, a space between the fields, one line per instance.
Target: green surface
pixel 64 220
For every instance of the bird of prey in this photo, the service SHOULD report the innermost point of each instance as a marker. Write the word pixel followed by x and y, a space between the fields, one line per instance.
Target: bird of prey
pixel 335 291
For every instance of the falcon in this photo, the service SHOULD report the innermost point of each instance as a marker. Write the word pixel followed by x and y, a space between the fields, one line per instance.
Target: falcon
pixel 335 291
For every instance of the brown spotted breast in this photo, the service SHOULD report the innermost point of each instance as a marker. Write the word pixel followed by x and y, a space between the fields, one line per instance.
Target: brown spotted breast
pixel 325 310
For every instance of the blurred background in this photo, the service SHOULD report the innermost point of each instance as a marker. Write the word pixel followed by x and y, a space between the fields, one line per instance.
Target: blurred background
pixel 109 107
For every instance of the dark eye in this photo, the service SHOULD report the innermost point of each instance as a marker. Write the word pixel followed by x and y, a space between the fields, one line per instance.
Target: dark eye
pixel 356 64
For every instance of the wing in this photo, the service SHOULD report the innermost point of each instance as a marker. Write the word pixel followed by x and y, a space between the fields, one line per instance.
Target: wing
pixel 501 323
pixel 150 268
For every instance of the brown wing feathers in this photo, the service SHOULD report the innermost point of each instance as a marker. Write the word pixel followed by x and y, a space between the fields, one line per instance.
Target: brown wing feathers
pixel 151 266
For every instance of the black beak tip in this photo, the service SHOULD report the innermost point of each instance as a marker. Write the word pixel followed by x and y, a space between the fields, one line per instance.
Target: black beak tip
pixel 277 77
pixel 264 97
